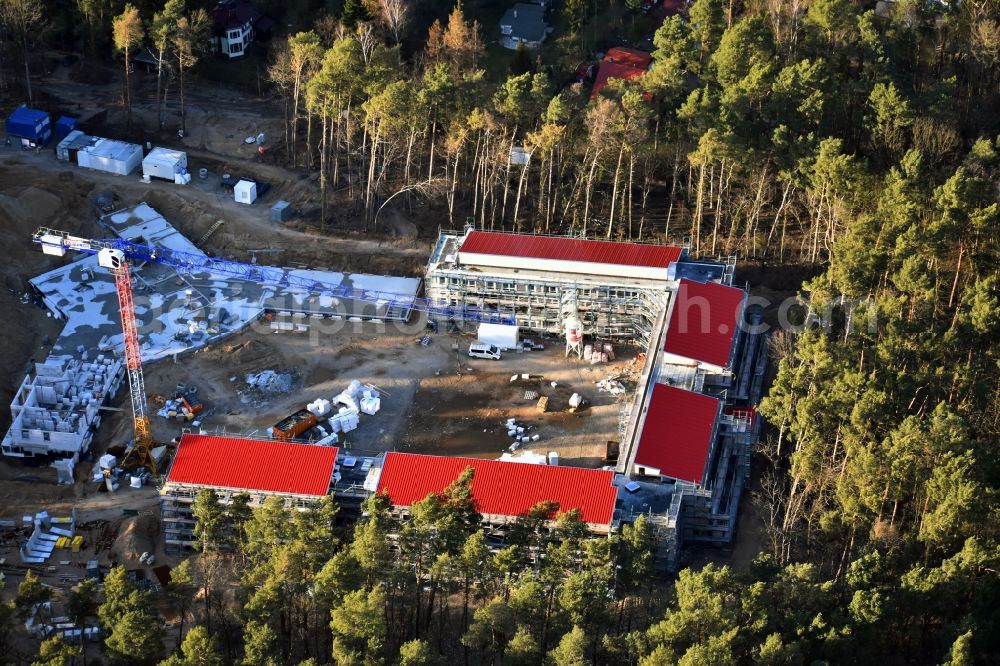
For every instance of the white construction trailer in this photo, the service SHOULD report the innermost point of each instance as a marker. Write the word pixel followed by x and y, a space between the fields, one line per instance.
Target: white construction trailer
pixel 503 336
pixel 164 163
pixel 111 156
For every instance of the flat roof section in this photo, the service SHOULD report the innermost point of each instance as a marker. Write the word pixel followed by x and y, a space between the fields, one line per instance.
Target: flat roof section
pixel 677 434
pixel 703 322
pixel 570 249
pixel 502 488
pixel 254 465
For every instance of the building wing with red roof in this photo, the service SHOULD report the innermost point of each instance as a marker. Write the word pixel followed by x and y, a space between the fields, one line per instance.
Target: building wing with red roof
pixel 678 434
pixel 704 320
pixel 567 255
pixel 253 465
pixel 502 489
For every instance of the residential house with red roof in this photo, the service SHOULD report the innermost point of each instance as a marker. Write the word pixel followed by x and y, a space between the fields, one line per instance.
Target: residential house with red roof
pixel 235 24
pixel 622 64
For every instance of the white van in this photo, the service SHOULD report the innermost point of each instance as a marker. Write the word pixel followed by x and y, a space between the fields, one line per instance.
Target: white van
pixel 483 350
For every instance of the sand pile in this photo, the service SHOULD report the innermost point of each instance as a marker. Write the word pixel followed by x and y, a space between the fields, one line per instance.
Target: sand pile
pixel 136 536
pixel 32 208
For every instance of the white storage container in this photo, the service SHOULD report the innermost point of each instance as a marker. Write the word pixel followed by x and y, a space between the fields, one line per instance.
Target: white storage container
pixel 164 163
pixel 245 191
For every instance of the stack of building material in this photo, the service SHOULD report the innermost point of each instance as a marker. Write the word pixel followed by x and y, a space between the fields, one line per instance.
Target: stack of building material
pixel 345 420
pixel 328 440
pixel 349 396
pixel 39 546
pixel 371 405
pixel 104 466
pixel 319 407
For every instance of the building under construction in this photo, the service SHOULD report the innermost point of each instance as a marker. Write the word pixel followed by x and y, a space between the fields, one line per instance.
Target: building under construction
pixel 302 474
pixel 686 432
pixel 687 437
pixel 57 409
pixel 616 289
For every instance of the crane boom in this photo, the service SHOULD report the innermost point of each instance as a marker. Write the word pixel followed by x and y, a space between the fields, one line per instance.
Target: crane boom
pixel 58 242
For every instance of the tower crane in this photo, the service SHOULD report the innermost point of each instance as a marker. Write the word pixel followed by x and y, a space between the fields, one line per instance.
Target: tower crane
pixel 115 254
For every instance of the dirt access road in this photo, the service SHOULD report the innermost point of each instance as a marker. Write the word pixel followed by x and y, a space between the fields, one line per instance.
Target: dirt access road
pixel 219 120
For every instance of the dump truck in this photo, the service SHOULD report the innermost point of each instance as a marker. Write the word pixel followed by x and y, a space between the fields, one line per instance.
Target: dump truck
pixel 292 426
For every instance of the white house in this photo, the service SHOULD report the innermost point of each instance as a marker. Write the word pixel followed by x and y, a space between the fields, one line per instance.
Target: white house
pixel 236 24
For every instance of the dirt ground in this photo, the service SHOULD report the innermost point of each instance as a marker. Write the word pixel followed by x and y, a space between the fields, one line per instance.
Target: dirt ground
pixel 37 190
pixel 435 398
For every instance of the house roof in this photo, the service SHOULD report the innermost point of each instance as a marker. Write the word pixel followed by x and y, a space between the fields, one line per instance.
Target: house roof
pixel 526 21
pixel 677 434
pixel 628 57
pixel 672 7
pixel 704 321
pixel 569 249
pixel 621 63
pixel 234 14
pixel 253 464
pixel 499 487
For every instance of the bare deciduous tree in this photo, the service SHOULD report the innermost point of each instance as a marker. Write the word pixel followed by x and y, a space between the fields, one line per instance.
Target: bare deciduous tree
pixel 396 14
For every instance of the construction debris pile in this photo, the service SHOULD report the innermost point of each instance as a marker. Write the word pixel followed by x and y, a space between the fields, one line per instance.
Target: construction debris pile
pixel 271 381
pixel 611 385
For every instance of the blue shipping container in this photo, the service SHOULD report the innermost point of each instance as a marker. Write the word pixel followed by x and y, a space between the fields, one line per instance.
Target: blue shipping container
pixel 64 126
pixel 31 126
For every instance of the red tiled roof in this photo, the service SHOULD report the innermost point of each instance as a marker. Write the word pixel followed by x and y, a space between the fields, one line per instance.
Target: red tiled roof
pixel 620 63
pixel 570 249
pixel 704 321
pixel 677 434
pixel 234 14
pixel 253 464
pixel 628 57
pixel 672 7
pixel 501 488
